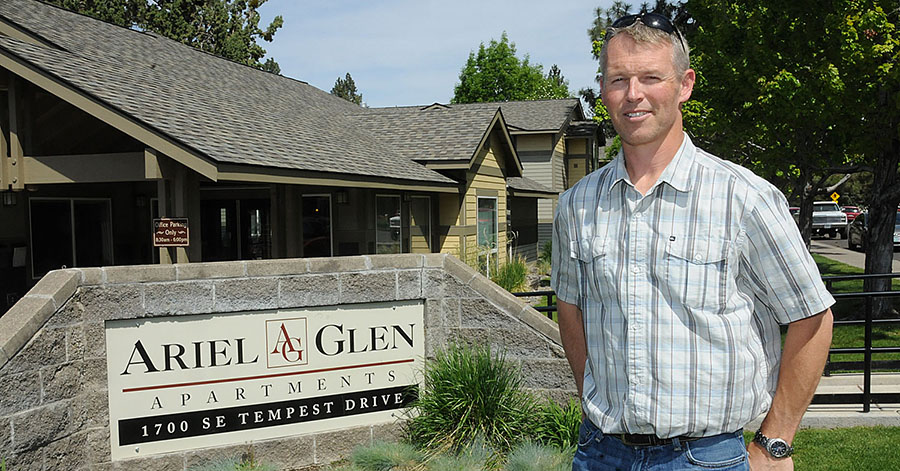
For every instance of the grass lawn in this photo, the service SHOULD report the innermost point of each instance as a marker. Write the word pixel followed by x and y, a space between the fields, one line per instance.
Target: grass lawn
pixel 846 449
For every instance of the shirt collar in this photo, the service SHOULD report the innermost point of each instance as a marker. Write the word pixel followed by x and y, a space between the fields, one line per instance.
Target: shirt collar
pixel 677 173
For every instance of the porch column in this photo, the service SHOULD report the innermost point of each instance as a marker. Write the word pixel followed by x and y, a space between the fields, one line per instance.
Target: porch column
pixel 14 165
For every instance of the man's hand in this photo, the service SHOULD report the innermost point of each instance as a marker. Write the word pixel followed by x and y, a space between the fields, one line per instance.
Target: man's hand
pixel 761 460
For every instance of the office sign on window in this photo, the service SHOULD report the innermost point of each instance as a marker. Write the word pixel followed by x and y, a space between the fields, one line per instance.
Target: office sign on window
pixel 180 383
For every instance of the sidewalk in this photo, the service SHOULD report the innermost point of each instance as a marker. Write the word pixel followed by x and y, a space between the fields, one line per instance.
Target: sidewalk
pixel 850 415
pixel 844 255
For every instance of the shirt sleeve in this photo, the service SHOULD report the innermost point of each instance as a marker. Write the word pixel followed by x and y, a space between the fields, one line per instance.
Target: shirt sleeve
pixel 564 271
pixel 780 267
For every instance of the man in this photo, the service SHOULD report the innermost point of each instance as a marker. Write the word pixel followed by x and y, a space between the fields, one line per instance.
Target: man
pixel 673 269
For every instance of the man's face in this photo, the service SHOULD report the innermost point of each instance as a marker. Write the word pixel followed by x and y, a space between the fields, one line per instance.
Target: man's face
pixel 642 91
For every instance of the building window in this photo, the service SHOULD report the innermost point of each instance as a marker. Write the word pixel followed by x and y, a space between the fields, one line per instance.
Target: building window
pixel 487 228
pixel 70 232
pixel 388 227
pixel 317 226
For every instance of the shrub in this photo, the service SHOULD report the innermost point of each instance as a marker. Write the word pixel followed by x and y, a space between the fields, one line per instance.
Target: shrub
pixel 386 456
pixel 470 392
pixel 512 276
pixel 530 456
pixel 558 425
pixel 546 254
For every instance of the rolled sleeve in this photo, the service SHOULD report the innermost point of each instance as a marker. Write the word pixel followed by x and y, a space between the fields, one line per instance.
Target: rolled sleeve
pixel 786 275
pixel 564 271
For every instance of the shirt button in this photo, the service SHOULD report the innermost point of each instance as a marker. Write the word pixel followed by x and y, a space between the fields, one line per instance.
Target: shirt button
pixel 636 269
pixel 638 215
pixel 698 258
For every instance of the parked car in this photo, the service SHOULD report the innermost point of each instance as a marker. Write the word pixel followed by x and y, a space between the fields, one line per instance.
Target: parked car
pixel 851 212
pixel 795 213
pixel 858 232
pixel 828 219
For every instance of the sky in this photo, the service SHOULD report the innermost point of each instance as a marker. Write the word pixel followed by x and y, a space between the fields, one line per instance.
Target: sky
pixel 410 52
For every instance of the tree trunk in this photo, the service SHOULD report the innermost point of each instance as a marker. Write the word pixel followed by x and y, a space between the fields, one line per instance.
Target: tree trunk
pixel 807 195
pixel 882 217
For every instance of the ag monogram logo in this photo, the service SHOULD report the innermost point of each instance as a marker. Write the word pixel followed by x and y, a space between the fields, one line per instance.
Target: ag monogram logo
pixel 286 342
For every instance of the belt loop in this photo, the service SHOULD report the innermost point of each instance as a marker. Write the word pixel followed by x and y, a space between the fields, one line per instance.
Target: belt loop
pixel 676 442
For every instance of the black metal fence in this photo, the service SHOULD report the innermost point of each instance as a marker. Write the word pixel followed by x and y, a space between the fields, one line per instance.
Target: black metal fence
pixel 867 319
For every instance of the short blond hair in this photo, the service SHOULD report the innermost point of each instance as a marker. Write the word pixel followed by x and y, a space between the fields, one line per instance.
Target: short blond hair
pixel 642 33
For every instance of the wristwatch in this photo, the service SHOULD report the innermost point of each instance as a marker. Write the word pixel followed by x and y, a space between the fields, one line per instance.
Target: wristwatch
pixel 776 447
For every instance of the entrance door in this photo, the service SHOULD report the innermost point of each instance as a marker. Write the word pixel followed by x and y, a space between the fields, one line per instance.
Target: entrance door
pixel 235 229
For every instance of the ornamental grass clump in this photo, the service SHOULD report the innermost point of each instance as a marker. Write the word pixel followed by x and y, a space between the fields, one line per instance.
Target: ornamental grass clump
pixel 470 392
pixel 531 456
pixel 557 425
pixel 512 276
pixel 387 456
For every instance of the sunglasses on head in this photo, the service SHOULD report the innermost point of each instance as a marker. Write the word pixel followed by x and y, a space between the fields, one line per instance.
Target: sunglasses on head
pixel 652 20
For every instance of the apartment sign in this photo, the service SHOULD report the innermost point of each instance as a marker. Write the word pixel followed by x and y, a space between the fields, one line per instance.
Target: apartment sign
pixel 187 382
pixel 171 232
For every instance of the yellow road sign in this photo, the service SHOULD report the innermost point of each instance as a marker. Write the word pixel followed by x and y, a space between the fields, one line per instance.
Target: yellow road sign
pixel 835 196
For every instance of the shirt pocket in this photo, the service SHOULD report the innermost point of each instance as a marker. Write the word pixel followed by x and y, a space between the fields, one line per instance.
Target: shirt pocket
pixel 592 255
pixel 697 270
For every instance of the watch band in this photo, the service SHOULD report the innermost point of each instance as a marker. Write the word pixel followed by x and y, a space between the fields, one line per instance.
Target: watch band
pixel 776 447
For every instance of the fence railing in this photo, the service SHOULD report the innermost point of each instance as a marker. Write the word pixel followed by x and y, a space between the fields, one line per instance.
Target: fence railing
pixel 867 350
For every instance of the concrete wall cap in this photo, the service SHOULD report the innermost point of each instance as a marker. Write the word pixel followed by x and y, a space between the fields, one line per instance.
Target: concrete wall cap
pixel 58 285
pixel 140 273
pixel 22 321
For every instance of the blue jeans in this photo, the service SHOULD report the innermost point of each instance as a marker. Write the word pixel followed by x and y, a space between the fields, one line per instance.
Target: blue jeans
pixel 596 451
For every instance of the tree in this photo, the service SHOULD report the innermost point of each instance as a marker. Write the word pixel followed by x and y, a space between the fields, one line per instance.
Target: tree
pixel 227 28
pixel 346 89
pixel 494 73
pixel 804 90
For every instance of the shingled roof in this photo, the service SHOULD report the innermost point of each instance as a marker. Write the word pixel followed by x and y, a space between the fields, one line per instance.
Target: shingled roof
pixel 437 134
pixel 527 185
pixel 536 115
pixel 226 112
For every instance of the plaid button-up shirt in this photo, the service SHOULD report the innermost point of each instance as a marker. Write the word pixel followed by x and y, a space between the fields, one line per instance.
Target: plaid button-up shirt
pixel 681 292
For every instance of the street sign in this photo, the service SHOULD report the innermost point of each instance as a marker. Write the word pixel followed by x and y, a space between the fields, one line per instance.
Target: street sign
pixel 835 196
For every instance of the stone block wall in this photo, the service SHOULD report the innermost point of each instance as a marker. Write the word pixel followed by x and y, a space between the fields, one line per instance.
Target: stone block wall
pixel 54 412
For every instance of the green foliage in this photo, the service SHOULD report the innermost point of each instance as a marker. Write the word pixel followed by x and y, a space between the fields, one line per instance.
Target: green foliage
pixel 346 89
pixel 546 254
pixel 476 457
pixel 557 425
pixel 227 28
pixel 386 456
pixel 512 275
pixel 494 73
pixel 470 392
pixel 246 463
pixel 531 456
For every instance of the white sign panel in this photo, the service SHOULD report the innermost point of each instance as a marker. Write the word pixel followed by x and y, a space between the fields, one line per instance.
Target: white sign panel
pixel 180 383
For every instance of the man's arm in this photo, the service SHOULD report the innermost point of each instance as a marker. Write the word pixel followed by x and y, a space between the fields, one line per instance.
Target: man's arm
pixel 571 331
pixel 802 361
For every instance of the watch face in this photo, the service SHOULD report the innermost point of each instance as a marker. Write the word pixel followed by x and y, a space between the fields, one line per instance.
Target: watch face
pixel 778 448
